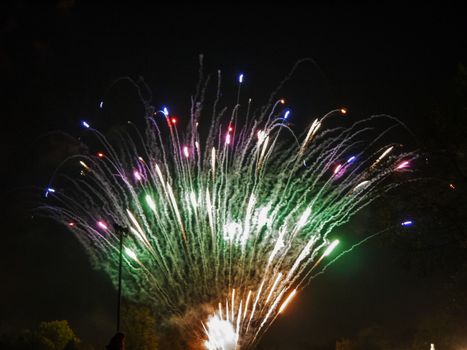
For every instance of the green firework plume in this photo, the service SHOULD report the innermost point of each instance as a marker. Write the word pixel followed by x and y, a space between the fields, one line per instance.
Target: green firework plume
pixel 229 224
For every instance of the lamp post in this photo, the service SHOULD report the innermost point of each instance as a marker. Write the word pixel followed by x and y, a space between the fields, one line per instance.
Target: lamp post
pixel 120 230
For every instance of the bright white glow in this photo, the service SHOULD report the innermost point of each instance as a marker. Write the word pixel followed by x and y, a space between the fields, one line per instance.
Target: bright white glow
pixel 209 210
pixel 304 218
pixel 221 334
pixel 233 305
pixel 165 111
pixel 263 218
pixel 303 254
pixel 85 124
pixel 130 253
pixel 362 185
pixel 150 202
pixel 159 173
pixel 175 207
pixel 239 318
pixel 261 137
pixel 278 278
pixel 85 166
pixel 136 233
pixel 258 294
pixel 286 115
pixel 246 225
pixel 278 246
pixel 311 132
pixel 227 139
pixel 185 152
pixel 263 149
pixel 385 153
pixel 135 222
pixel 193 200
pixel 227 310
pixel 240 78
pixel 331 247
pixel 246 304
pixel 101 104
pixel 287 301
pixel 232 231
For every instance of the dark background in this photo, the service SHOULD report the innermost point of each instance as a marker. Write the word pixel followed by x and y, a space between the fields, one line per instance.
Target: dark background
pixel 59 59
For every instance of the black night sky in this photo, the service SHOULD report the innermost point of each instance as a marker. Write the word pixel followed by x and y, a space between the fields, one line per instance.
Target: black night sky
pixel 59 59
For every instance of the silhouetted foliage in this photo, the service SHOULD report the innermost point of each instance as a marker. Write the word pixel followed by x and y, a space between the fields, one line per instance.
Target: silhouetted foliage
pixel 53 335
pixel 139 326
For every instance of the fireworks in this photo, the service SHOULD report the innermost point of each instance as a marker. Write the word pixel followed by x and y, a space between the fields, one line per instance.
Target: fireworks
pixel 231 224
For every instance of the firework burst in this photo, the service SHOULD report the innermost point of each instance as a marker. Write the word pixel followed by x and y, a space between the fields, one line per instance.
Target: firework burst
pixel 231 224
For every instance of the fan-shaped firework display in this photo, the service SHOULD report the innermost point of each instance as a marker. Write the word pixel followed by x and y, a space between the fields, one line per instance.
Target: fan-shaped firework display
pixel 227 224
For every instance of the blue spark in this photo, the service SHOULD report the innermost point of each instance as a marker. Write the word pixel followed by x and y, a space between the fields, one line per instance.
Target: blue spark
pixel 49 190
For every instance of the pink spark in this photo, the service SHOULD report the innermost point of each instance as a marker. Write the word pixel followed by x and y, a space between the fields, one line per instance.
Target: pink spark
pixel 137 175
pixel 102 225
pixel 403 165
pixel 336 170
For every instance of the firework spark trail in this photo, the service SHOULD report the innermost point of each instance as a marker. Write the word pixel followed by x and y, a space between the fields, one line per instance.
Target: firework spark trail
pixel 243 215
